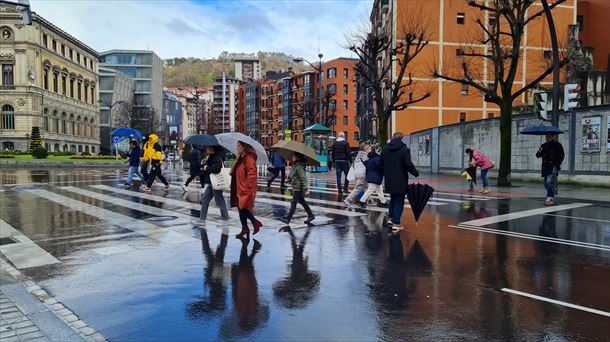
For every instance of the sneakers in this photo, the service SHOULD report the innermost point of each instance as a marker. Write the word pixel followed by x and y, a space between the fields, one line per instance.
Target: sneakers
pixel 361 205
pixel 348 202
pixel 126 184
pixel 397 228
pixel 485 191
pixel 286 220
pixel 471 189
pixel 198 222
pixel 184 188
pixel 166 188
pixel 309 219
pixel 549 201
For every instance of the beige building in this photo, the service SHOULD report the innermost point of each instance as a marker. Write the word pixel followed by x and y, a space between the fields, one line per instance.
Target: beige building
pixel 49 80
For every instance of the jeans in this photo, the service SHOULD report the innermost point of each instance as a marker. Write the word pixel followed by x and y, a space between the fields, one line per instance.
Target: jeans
pixel 484 178
pixel 206 197
pixel 155 172
pixel 397 204
pixel 342 166
pixel 470 184
pixel 361 185
pixel 133 170
pixel 297 197
pixel 550 183
pixel 276 173
pixel 374 188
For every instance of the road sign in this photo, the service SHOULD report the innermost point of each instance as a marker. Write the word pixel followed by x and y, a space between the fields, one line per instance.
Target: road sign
pixel 116 139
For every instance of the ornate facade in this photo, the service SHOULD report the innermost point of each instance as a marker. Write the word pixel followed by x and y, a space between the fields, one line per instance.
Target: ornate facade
pixel 49 80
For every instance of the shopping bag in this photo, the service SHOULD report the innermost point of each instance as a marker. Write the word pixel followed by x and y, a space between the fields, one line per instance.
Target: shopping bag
pixel 221 180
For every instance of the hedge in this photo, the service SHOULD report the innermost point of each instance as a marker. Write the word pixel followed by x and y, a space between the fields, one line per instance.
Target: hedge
pixel 6 156
pixel 92 157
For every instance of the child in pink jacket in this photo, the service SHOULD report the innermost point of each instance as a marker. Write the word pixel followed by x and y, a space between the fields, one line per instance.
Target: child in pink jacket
pixel 478 159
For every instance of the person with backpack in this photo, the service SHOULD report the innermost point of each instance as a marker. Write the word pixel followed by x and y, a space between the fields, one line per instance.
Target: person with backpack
pixel 374 177
pixel 298 180
pixel 341 160
pixel 154 155
pixel 358 171
pixel 478 159
pixel 279 166
pixel 195 157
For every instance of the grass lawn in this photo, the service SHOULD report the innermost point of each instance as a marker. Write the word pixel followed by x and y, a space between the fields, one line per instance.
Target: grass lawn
pixel 63 159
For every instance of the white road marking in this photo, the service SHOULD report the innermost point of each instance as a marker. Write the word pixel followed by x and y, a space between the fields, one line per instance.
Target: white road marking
pixel 558 302
pixel 524 213
pixel 577 218
pixel 24 253
pixel 533 237
pixel 145 228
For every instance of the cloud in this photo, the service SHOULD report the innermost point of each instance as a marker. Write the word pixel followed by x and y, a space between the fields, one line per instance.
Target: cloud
pixel 206 28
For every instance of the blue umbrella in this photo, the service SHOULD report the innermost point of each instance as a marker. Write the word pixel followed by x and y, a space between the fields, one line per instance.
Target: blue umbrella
pixel 127 132
pixel 541 130
pixel 202 140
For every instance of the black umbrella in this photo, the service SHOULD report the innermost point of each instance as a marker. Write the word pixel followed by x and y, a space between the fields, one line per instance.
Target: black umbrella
pixel 418 195
pixel 202 140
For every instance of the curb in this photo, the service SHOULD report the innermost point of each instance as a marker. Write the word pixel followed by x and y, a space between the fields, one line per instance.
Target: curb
pixel 66 315
pixel 57 164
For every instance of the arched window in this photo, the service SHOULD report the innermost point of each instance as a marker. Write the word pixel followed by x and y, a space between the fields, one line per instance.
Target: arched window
pixel 56 147
pixel 78 126
pixel 8 145
pixel 72 125
pixel 8 117
pixel 55 127
pixel 63 123
pixel 45 120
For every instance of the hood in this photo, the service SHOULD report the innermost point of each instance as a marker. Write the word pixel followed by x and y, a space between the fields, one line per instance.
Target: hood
pixel 372 154
pixel 340 139
pixel 153 138
pixel 395 145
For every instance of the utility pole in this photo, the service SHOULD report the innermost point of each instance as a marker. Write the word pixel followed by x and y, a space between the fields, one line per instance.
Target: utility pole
pixel 555 47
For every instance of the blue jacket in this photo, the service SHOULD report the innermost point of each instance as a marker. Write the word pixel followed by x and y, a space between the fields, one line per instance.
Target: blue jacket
pixel 278 161
pixel 134 157
pixel 374 168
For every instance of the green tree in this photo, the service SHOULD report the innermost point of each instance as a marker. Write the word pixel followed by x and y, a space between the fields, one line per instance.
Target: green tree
pixel 35 139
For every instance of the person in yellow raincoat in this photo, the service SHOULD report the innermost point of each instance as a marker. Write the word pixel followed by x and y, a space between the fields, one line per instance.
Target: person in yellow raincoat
pixel 154 156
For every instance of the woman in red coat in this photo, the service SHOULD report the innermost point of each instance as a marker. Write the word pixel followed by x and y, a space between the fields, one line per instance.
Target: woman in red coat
pixel 244 182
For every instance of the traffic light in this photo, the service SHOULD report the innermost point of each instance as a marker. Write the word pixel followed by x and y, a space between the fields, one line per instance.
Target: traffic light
pixel 540 103
pixel 571 95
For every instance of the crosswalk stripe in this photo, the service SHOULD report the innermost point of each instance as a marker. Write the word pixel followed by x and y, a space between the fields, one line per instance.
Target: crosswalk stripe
pixel 521 214
pixel 24 253
pixel 145 228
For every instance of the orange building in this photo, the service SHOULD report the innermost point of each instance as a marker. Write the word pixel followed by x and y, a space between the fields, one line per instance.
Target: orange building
pixel 453 25
pixel 594 26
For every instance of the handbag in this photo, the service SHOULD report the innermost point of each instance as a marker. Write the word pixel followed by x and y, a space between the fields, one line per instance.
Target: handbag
pixel 222 180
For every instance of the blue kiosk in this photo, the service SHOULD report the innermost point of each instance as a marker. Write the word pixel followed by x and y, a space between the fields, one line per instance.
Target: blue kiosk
pixel 317 137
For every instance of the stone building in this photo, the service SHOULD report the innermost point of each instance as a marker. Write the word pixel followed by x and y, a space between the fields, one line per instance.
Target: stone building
pixel 49 80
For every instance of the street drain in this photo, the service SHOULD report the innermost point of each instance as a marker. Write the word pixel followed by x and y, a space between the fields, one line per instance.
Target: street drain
pixel 162 218
pixel 7 241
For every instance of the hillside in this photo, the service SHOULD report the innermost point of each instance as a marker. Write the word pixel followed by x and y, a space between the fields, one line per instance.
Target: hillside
pixel 191 71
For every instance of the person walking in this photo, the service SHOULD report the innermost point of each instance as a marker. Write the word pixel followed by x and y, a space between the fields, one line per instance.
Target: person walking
pixel 478 159
pixel 243 188
pixel 279 166
pixel 298 180
pixel 154 156
pixel 341 161
pixel 374 177
pixel 552 155
pixel 195 157
pixel 359 172
pixel 134 162
pixel 144 163
pixel 213 164
pixel 397 165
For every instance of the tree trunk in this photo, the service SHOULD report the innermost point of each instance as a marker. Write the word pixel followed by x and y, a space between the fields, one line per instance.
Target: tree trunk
pixel 382 127
pixel 506 109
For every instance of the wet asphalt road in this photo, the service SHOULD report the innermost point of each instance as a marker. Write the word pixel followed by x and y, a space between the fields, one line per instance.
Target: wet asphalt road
pixel 132 266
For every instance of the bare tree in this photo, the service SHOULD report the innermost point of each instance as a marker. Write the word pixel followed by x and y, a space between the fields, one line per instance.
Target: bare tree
pixel 136 116
pixel 391 93
pixel 500 44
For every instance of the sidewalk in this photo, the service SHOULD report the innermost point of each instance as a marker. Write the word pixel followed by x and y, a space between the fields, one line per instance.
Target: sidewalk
pixel 24 316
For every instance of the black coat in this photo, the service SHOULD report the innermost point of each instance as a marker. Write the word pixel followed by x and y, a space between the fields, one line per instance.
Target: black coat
pixel 340 151
pixel 552 156
pixel 195 157
pixel 374 168
pixel 397 165
pixel 213 164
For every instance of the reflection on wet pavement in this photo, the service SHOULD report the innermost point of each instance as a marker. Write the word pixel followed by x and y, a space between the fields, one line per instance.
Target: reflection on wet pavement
pixel 133 266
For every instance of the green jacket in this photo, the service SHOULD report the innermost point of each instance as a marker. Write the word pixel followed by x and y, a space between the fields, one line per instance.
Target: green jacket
pixel 298 177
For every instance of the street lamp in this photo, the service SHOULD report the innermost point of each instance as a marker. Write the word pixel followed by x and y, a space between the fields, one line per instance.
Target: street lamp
pixel 319 70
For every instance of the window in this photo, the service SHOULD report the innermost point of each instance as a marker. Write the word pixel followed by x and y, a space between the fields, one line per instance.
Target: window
pixel 332 89
pixel 92 95
pixel 85 61
pixel 547 54
pixel 345 73
pixel 63 50
pixel 45 41
pixel 345 121
pixel 54 45
pixel 8 117
pixel 580 21
pixel 71 88
pixel 92 149
pixel 7 74
pixel 492 20
pixel 345 104
pixel 71 54
pixel 356 136
pixel 78 90
pixel 63 85
pixel 46 79
pixel 491 115
pixel 459 52
pixel 45 120
pixel 462 116
pixel 91 64
pixel 460 18
pixel 63 123
pixel 78 57
pixel 345 89
pixel 332 73
pixel 8 145
pixel 55 86
pixel 464 89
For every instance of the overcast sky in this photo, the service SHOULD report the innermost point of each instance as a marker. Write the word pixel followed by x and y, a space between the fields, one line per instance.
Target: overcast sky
pixel 204 29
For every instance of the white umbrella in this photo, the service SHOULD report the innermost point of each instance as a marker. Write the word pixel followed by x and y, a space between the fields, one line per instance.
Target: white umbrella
pixel 229 141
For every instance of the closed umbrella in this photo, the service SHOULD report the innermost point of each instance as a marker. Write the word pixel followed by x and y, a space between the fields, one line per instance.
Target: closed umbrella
pixel 418 195
pixel 541 130
pixel 202 140
pixel 229 141
pixel 287 149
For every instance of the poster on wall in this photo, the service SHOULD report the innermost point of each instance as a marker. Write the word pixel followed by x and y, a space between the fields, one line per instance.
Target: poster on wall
pixel 591 133
pixel 608 142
